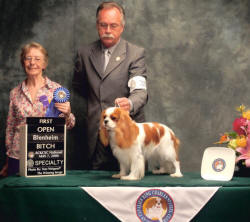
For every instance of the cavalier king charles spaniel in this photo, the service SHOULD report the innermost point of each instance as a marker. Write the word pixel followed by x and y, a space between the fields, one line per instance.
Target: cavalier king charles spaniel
pixel 134 143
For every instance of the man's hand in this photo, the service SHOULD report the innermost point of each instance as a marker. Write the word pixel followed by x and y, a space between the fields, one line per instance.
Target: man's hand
pixel 123 103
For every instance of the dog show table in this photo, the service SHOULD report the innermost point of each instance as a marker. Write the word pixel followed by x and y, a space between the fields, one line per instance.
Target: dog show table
pixel 63 198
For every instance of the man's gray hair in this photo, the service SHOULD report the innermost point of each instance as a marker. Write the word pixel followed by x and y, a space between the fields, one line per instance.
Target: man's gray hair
pixel 111 5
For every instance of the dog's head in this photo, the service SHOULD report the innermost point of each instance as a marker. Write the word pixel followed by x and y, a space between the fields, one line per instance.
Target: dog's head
pixel 118 120
pixel 112 116
pixel 156 202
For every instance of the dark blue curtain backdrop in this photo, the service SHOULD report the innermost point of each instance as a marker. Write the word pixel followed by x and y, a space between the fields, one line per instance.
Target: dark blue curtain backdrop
pixel 198 58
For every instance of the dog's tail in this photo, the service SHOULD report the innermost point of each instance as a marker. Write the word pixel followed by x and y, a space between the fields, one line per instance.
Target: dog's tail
pixel 176 142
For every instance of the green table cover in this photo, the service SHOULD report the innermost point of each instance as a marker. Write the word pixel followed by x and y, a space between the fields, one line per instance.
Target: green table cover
pixel 61 198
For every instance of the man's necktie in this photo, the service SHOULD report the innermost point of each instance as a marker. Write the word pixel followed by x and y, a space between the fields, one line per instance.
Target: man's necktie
pixel 106 59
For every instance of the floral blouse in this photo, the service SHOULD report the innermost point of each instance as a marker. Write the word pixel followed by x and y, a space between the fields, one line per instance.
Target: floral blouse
pixel 21 106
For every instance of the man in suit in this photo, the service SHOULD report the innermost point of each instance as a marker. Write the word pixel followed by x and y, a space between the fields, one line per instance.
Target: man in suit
pixel 110 72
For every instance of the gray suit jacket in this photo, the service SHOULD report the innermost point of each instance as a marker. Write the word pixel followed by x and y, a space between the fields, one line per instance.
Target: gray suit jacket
pixel 101 89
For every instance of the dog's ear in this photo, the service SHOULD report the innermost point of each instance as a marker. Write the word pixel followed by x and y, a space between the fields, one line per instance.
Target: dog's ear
pixel 103 133
pixel 126 130
pixel 104 137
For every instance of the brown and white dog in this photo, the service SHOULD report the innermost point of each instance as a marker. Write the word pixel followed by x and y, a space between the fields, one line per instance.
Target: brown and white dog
pixel 134 143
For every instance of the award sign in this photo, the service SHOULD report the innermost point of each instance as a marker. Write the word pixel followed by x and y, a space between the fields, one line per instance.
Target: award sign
pixel 43 147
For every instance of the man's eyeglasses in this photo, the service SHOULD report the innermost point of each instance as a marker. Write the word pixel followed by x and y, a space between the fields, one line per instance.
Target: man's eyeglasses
pixel 105 25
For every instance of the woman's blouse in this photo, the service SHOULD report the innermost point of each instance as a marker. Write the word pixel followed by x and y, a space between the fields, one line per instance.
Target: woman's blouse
pixel 21 106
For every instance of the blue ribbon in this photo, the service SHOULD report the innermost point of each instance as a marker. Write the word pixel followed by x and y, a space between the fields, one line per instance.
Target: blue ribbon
pixel 60 95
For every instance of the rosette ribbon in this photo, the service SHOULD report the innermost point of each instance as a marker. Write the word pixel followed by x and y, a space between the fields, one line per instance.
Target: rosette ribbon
pixel 44 100
pixel 60 95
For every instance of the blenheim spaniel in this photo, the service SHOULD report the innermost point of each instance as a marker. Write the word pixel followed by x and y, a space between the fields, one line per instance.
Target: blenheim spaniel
pixel 134 143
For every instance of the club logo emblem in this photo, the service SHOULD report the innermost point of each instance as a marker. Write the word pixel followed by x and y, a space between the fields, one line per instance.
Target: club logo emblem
pixel 155 205
pixel 219 165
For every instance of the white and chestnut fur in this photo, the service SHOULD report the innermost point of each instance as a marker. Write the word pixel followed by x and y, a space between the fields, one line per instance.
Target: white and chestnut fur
pixel 134 143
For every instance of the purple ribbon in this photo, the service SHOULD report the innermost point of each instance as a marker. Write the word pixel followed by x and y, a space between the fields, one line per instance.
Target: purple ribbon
pixel 44 100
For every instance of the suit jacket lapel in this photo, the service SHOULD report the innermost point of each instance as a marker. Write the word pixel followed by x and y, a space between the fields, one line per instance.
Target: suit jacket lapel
pixel 96 59
pixel 116 58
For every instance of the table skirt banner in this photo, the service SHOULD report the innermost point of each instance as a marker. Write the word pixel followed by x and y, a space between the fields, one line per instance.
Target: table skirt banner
pixel 147 204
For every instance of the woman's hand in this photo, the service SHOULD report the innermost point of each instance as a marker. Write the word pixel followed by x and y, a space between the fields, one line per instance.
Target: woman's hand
pixel 64 108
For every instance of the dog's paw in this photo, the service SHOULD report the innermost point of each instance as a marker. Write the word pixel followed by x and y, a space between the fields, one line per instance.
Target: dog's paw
pixel 118 176
pixel 176 175
pixel 129 177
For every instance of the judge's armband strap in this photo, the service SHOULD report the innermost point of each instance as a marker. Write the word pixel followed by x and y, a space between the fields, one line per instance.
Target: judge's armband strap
pixel 137 82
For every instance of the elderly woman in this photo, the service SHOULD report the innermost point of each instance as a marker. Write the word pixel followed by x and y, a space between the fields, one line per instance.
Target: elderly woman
pixel 25 102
